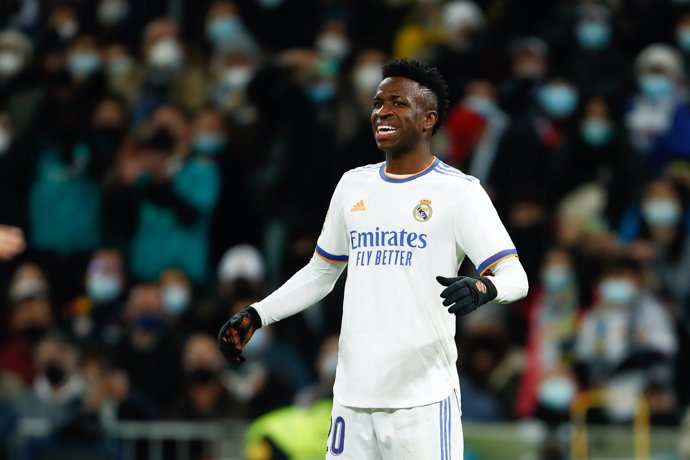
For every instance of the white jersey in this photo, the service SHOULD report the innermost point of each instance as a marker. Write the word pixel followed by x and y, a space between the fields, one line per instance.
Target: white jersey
pixel 397 345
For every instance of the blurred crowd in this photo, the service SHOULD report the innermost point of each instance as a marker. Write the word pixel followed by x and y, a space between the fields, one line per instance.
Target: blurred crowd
pixel 169 162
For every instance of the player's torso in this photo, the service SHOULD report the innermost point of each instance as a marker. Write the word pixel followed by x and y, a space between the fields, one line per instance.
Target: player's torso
pixel 399 227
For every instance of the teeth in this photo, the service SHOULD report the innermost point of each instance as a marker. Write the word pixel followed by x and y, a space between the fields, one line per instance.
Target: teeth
pixel 385 129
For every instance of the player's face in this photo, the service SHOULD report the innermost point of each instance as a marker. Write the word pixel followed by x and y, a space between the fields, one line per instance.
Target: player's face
pixel 400 119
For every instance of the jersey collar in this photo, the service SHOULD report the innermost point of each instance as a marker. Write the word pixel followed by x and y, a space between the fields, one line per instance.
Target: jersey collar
pixel 387 178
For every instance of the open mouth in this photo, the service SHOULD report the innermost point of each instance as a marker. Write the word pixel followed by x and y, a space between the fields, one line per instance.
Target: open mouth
pixel 385 132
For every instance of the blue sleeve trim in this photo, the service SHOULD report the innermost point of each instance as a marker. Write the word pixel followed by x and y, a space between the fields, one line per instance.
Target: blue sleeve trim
pixel 493 260
pixel 330 257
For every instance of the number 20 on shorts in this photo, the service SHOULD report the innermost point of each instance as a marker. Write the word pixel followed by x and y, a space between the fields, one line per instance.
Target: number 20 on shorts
pixel 336 436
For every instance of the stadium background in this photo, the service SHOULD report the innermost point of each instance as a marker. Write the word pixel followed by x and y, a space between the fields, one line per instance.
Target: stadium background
pixel 171 161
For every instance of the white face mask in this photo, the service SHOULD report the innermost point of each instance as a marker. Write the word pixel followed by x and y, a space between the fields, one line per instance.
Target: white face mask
pixel 556 393
pixel 366 78
pixel 332 45
pixel 165 53
pixel 175 299
pixel 237 77
pixel 11 63
pixel 67 29
pixel 111 12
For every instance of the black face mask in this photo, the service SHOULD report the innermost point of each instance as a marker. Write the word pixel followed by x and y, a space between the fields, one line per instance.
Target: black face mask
pixel 201 375
pixel 32 334
pixel 55 374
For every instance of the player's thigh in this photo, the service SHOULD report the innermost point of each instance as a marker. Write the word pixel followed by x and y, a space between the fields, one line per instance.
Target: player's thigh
pixel 431 432
pixel 351 435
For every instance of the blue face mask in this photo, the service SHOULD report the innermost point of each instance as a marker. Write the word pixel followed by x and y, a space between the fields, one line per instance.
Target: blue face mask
pixel 103 288
pixel 208 144
pixel 593 35
pixel 656 86
pixel 83 64
pixel 482 105
pixel 556 393
pixel 320 93
pixel 595 131
pixel 661 212
pixel 558 100
pixel 683 37
pixel 556 278
pixel 617 291
pixel 175 299
pixel 223 29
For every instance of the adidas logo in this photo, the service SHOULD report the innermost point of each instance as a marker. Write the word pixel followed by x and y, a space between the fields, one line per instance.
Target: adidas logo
pixel 359 206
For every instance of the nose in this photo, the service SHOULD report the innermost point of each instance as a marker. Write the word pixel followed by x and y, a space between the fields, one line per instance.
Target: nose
pixel 382 112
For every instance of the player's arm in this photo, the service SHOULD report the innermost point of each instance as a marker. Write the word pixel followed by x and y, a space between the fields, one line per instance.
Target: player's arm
pixel 306 287
pixel 481 234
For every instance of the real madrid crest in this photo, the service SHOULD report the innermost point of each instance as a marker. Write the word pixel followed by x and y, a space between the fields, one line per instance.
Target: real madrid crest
pixel 422 212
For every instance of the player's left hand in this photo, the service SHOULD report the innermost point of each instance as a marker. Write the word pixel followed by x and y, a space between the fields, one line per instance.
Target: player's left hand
pixel 236 332
pixel 464 294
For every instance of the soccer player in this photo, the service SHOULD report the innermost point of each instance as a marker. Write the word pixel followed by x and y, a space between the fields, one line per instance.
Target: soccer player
pixel 402 227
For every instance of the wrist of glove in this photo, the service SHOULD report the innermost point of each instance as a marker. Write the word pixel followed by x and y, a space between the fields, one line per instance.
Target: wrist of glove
pixel 236 333
pixel 463 294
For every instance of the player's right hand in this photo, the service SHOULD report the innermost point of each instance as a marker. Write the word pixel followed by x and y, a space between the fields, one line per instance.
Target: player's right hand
pixel 236 332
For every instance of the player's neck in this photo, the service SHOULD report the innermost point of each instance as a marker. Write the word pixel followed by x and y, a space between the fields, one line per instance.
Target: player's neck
pixel 409 162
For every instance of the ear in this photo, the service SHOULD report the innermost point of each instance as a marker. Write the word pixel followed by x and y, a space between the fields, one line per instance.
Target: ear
pixel 430 119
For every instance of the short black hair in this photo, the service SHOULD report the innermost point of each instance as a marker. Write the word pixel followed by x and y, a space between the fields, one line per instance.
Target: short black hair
pixel 427 77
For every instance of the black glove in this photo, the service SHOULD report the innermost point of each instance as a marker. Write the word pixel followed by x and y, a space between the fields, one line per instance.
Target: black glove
pixel 236 332
pixel 464 294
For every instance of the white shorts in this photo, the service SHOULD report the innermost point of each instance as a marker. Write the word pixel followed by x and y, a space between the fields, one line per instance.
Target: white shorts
pixel 431 432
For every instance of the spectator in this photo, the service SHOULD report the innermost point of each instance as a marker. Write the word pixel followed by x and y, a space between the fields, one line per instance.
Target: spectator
pixel 20 89
pixel 94 318
pixel 58 393
pixel 123 71
pixel 326 364
pixel 172 72
pixel 226 32
pixel 202 395
pixel 529 143
pixel 175 201
pixel 598 65
pixel 548 385
pixel 149 353
pixel 626 342
pixel 683 39
pixel 177 298
pixel 528 68
pixel 461 54
pixel 598 157
pixel 31 318
pixel 659 239
pixel 659 118
pixel 474 128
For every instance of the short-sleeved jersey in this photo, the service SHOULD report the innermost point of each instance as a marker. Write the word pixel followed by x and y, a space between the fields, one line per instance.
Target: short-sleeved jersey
pixel 397 345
